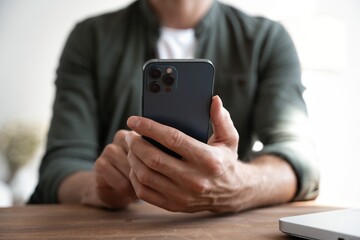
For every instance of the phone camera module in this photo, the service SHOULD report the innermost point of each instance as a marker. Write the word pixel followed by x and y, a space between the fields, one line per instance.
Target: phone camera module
pixel 155 87
pixel 169 80
pixel 155 73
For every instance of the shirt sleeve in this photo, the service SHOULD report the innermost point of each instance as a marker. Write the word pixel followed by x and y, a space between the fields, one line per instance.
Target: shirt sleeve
pixel 72 138
pixel 280 114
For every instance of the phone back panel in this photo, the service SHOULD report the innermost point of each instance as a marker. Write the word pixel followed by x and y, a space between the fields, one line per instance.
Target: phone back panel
pixel 185 104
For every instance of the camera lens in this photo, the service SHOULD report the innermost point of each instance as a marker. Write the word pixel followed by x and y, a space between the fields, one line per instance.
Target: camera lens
pixel 169 80
pixel 155 73
pixel 155 87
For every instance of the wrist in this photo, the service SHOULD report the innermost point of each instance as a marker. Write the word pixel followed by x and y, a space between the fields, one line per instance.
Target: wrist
pixel 79 188
pixel 266 180
pixel 278 182
pixel 251 186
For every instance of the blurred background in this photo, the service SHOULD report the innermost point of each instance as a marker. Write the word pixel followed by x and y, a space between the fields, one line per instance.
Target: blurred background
pixel 326 34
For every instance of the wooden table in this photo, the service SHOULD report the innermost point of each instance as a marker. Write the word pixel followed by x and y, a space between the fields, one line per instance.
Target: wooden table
pixel 143 221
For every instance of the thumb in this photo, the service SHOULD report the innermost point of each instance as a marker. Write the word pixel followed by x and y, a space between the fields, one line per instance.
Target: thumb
pixel 224 131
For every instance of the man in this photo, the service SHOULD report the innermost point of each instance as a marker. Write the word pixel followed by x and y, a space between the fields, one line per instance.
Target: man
pixel 98 102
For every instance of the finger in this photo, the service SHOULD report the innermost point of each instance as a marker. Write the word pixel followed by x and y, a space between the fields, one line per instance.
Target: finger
pixel 153 157
pixel 146 193
pixel 119 139
pixel 182 144
pixel 183 174
pixel 156 198
pixel 115 155
pixel 155 180
pixel 223 127
pixel 109 176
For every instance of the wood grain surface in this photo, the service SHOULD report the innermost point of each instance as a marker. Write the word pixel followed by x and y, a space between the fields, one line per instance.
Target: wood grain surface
pixel 143 221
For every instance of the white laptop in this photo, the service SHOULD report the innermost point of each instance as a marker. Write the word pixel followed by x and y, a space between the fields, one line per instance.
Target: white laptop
pixel 338 225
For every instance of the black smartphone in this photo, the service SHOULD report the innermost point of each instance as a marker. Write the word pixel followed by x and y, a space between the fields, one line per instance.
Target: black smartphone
pixel 178 93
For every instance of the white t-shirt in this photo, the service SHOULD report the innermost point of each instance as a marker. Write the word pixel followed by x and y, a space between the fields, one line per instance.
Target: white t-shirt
pixel 176 43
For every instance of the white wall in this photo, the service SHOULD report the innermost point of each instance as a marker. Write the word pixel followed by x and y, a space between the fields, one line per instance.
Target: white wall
pixel 326 32
pixel 32 34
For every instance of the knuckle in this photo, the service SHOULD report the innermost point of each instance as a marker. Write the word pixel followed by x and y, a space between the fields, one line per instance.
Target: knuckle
pixel 236 136
pixel 216 168
pixel 149 126
pixel 110 149
pixel 100 165
pixel 155 161
pixel 120 135
pixel 174 139
pixel 200 187
pixel 119 138
pixel 212 156
pixel 143 177
pixel 214 165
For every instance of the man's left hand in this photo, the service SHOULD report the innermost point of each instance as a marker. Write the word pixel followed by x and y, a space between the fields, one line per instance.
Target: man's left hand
pixel 208 177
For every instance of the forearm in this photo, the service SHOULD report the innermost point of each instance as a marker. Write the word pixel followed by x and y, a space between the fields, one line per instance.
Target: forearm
pixel 268 180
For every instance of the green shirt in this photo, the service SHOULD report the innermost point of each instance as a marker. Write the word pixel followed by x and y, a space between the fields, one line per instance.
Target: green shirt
pixel 99 85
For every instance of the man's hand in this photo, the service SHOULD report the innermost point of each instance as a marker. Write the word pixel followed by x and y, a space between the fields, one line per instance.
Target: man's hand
pixel 108 185
pixel 209 176
pixel 204 179
pixel 112 174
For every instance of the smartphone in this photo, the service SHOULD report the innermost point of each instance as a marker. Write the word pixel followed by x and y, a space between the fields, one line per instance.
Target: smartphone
pixel 178 93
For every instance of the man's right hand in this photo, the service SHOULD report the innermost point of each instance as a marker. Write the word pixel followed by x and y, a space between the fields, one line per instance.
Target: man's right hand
pixel 108 185
pixel 112 174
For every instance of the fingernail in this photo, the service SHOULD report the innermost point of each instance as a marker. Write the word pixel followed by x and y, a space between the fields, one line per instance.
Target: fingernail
pixel 133 122
pixel 221 103
pixel 127 140
pixel 219 99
